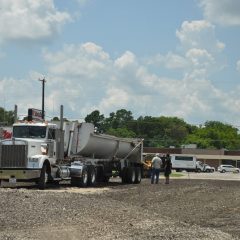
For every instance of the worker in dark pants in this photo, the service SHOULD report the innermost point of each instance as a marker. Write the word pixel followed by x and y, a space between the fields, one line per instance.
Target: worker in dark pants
pixel 156 165
pixel 167 168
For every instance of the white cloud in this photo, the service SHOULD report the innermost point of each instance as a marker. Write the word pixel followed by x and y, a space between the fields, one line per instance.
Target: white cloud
pixel 195 53
pixel 199 57
pixel 26 93
pixel 126 60
pixel 238 65
pixel 174 61
pixel 30 19
pixel 200 49
pixel 223 12
pixel 85 77
pixel 115 99
pixel 85 60
pixel 170 61
pixel 199 34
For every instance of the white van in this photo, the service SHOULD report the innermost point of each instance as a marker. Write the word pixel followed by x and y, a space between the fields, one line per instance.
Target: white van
pixel 184 162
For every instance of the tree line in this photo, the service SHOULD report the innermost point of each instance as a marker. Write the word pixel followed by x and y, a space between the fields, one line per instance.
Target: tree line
pixel 6 117
pixel 158 131
pixel 167 131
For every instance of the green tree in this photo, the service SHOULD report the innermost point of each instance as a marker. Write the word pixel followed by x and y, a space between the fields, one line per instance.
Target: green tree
pixel 6 117
pixel 161 131
pixel 119 119
pixel 167 131
pixel 96 118
pixel 216 135
pixel 55 119
pixel 121 132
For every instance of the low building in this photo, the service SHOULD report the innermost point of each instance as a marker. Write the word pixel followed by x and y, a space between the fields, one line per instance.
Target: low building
pixel 212 157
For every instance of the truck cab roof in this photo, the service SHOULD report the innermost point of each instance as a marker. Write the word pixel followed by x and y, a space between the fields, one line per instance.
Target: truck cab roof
pixel 40 124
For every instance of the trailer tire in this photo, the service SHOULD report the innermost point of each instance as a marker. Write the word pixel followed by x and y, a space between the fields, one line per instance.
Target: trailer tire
pixel 84 179
pixel 138 173
pixel 105 179
pixel 131 175
pixel 124 175
pixel 91 175
pixel 42 181
pixel 74 181
pixel 80 181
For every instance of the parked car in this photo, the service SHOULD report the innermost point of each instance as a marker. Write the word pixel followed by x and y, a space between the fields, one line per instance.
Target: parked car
pixel 228 168
pixel 207 168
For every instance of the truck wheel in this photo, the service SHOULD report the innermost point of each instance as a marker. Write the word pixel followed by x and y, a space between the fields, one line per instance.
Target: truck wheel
pixel 84 179
pixel 43 178
pixel 131 175
pixel 80 181
pixel 74 181
pixel 91 176
pixel 124 175
pixel 105 179
pixel 138 173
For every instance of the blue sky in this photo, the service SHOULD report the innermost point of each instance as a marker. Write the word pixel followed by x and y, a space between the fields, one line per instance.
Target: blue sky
pixel 154 58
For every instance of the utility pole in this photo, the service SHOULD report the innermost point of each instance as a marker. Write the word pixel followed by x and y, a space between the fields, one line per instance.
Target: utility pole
pixel 15 113
pixel 43 91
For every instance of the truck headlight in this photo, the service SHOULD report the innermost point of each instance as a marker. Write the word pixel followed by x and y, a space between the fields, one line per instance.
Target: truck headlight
pixel 44 148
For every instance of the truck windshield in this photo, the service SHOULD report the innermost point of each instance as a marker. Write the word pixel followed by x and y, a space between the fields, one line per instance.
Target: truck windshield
pixel 29 132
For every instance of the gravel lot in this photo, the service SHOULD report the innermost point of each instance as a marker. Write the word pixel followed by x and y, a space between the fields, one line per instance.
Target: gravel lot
pixel 185 209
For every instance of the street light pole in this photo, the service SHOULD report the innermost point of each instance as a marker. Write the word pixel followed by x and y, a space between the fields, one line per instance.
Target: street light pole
pixel 43 91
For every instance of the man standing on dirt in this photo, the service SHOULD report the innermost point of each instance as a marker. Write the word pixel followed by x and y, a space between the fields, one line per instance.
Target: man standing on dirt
pixel 167 168
pixel 156 165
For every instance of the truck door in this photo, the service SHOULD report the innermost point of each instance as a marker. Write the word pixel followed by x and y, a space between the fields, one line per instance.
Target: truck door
pixel 51 142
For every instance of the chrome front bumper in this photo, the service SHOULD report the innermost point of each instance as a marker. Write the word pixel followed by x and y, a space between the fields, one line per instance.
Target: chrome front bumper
pixel 19 174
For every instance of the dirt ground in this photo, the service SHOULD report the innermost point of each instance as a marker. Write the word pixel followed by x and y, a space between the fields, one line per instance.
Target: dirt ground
pixel 184 209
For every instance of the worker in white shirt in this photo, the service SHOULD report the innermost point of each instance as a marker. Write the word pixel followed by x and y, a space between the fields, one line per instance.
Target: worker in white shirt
pixel 156 165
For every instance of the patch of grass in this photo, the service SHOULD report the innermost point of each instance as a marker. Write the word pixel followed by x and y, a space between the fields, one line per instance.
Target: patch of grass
pixel 176 174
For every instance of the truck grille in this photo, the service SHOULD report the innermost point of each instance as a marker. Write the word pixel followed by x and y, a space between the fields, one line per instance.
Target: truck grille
pixel 13 156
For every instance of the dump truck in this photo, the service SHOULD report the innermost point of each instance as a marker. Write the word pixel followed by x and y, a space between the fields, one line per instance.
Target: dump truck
pixel 44 152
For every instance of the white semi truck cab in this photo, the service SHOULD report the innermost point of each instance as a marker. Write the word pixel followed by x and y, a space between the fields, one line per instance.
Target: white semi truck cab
pixel 23 156
pixel 44 152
